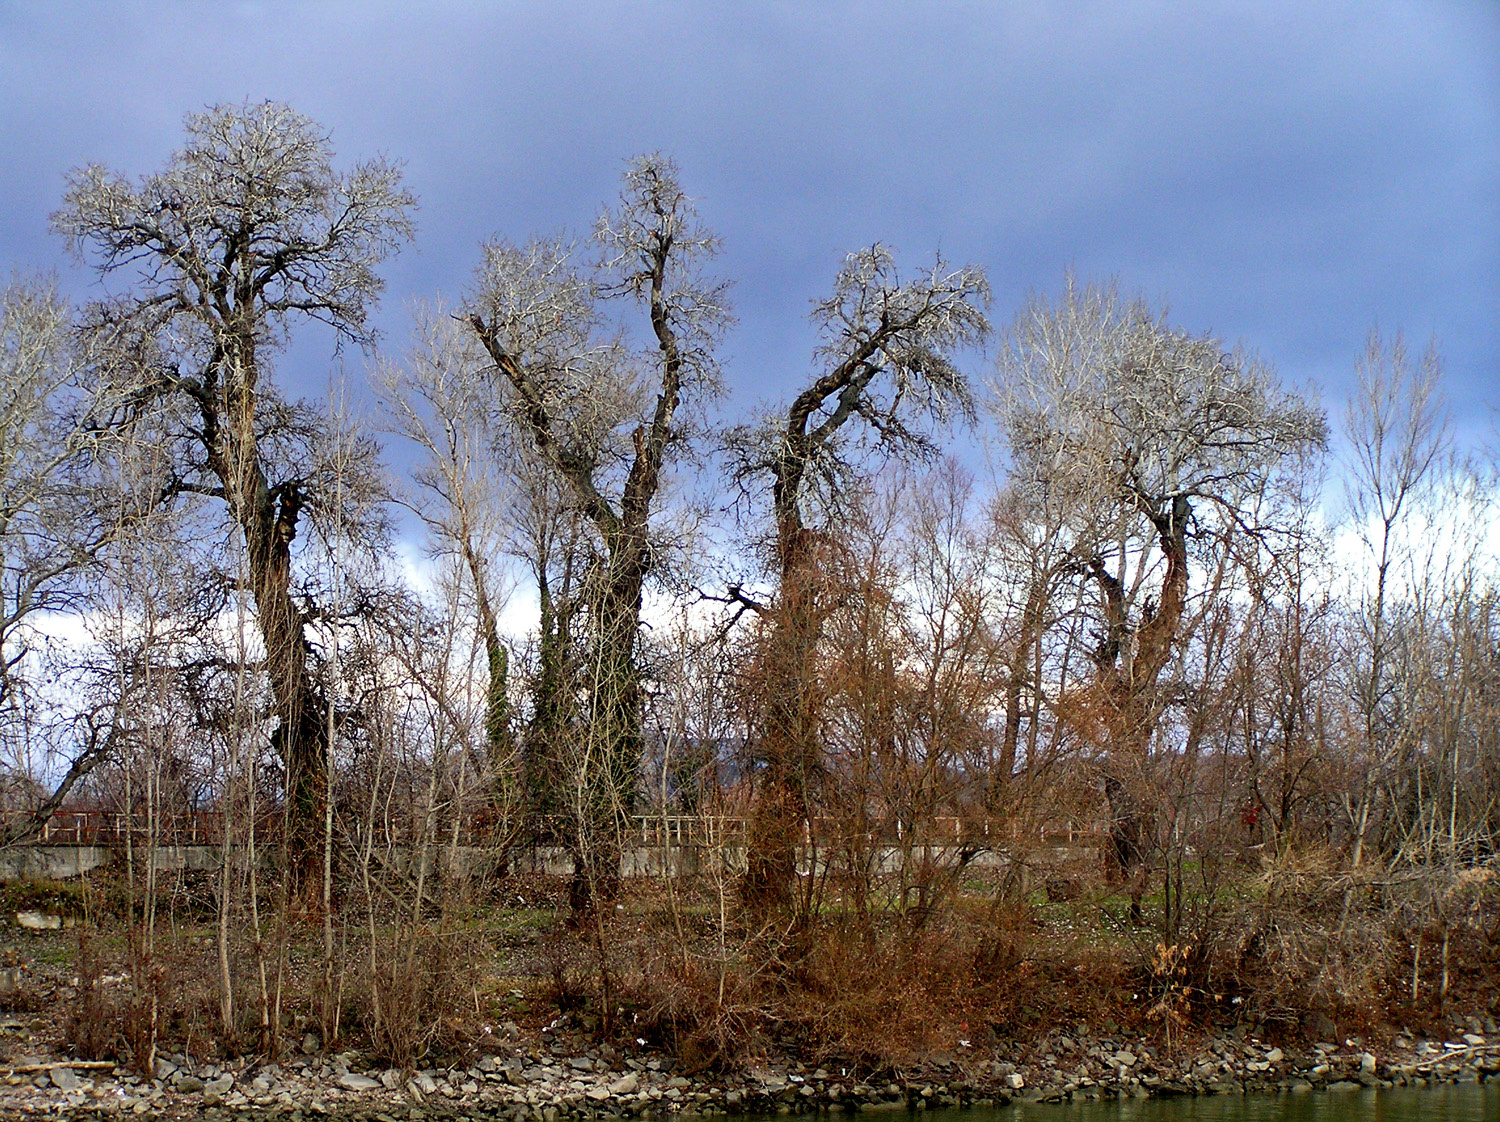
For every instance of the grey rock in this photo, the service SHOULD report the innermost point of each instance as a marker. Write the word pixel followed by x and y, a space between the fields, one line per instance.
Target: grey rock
pixel 189 1085
pixel 64 1079
pixel 351 1081
pixel 628 1085
pixel 219 1086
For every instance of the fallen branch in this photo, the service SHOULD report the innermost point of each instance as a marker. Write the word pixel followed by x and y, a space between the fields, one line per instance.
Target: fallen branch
pixel 1457 1053
pixel 77 1065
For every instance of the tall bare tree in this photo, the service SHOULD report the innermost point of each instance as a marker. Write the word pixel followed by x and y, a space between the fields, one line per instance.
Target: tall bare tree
pixel 1398 436
pixel 889 351
pixel 608 421
pixel 248 229
pixel 54 527
pixel 1102 399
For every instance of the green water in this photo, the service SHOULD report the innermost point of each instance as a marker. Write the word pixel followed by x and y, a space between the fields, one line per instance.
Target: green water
pixel 1464 1102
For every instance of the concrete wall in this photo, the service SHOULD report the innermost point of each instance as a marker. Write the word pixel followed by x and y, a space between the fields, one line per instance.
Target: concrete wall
pixel 51 862
pixel 62 862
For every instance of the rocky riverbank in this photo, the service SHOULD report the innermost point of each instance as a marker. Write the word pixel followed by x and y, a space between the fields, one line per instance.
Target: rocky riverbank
pixel 556 1078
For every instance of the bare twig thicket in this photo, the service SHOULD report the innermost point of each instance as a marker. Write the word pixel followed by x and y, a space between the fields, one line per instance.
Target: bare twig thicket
pixel 888 753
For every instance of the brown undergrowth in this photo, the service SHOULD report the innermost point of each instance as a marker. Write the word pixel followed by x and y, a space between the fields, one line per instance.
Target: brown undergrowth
pixel 870 993
pixel 1303 951
pixel 1300 952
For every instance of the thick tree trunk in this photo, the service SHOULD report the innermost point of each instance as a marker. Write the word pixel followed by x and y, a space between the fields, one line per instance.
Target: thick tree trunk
pixel 1129 695
pixel 550 709
pixel 301 736
pixel 608 772
pixel 268 519
pixel 497 732
pixel 787 744
pixel 1020 675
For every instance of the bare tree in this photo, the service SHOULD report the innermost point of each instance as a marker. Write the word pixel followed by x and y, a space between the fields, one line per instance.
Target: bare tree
pixel 889 349
pixel 52 526
pixel 438 399
pixel 608 420
pixel 1397 436
pixel 1100 398
pixel 248 229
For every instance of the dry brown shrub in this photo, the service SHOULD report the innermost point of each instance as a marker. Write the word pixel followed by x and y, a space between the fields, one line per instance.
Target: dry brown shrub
pixel 420 996
pixel 869 994
pixel 1356 944
pixel 1287 951
pixel 93 1024
pixel 710 1013
pixel 845 992
pixel 885 996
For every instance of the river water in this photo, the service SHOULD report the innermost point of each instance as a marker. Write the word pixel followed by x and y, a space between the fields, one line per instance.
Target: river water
pixel 1463 1102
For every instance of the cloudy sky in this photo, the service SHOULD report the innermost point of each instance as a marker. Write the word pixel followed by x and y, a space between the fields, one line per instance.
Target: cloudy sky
pixel 1288 175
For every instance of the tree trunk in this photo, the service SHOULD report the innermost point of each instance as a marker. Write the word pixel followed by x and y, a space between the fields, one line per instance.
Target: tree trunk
pixel 787 745
pixel 268 519
pixel 608 783
pixel 300 739
pixel 1020 674
pixel 1130 696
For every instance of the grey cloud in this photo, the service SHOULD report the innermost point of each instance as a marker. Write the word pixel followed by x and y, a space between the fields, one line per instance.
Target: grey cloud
pixel 1287 173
